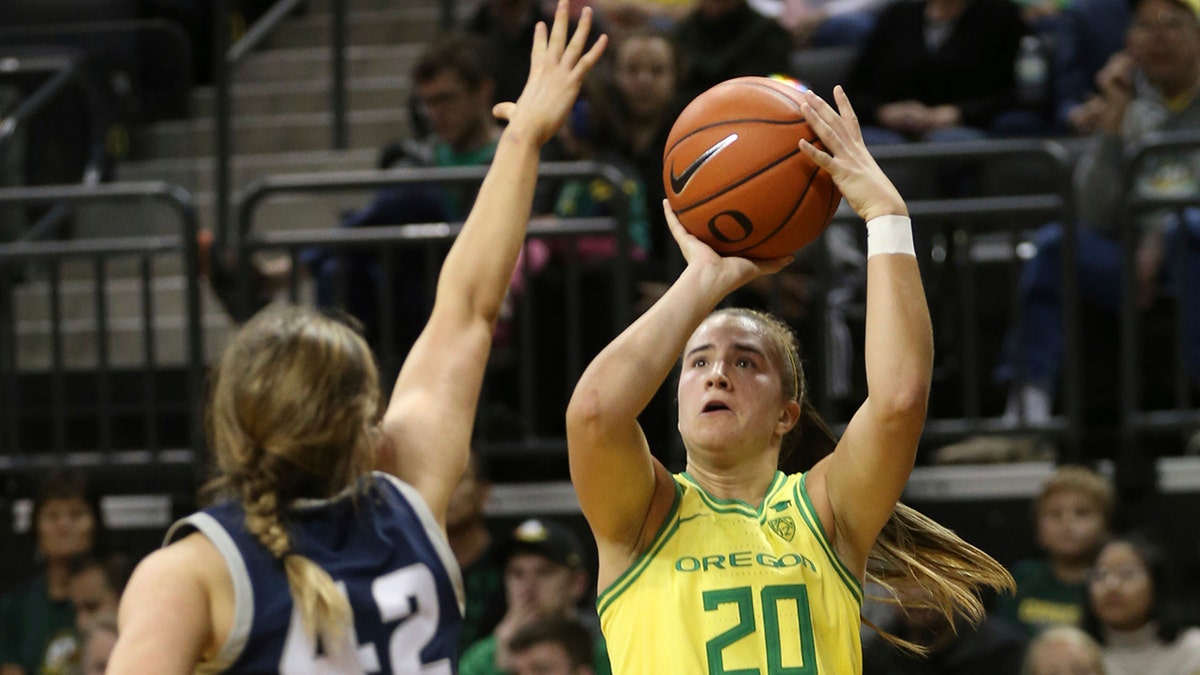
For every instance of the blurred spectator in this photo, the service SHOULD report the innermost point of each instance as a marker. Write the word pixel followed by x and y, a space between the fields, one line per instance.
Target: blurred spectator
pixel 830 23
pixel 552 647
pixel 476 552
pixel 936 70
pixel 1073 514
pixel 95 586
pixel 1150 87
pixel 630 121
pixel 506 29
pixel 1063 650
pixel 623 16
pixel 1087 35
pixel 551 267
pixel 544 578
pixel 454 92
pixel 991 648
pixel 633 115
pixel 1036 12
pixel 1137 611
pixel 37 622
pixel 97 644
pixel 723 39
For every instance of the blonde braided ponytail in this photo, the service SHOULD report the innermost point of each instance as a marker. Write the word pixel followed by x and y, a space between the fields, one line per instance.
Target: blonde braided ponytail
pixel 293 415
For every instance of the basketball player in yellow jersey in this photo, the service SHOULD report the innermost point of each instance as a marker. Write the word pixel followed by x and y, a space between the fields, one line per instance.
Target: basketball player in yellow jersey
pixel 733 566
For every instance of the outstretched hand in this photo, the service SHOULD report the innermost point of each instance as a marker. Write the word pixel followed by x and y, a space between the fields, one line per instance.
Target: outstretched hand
pixel 737 271
pixel 857 175
pixel 556 72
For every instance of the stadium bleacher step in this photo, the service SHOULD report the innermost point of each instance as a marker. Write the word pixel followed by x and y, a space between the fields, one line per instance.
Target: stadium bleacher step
pixel 306 63
pixel 276 133
pixel 125 326
pixel 198 172
pixel 280 212
pixel 281 124
pixel 307 96
pixel 390 25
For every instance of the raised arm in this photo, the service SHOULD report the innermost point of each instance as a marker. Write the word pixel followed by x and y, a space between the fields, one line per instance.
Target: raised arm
pixel 431 414
pixel 857 487
pixel 623 490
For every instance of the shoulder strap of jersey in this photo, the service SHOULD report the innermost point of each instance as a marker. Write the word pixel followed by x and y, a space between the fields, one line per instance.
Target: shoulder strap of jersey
pixel 243 593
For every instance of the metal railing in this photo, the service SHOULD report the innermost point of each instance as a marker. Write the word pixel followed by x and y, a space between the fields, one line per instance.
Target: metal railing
pixel 432 239
pixel 1183 415
pixel 969 215
pixel 62 70
pixel 227 62
pixel 15 259
pixel 387 244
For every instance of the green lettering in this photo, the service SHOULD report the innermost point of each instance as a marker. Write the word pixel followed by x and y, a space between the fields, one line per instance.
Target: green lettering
pixel 789 560
pixel 687 564
pixel 740 559
pixel 716 561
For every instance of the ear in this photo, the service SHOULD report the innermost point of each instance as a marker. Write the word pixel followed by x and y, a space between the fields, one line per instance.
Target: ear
pixel 788 417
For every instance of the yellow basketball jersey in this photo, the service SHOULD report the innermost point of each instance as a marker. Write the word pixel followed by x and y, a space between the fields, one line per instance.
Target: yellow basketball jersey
pixel 727 588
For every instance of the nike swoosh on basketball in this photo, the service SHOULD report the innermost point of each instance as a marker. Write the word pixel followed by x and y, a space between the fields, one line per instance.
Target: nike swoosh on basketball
pixel 679 182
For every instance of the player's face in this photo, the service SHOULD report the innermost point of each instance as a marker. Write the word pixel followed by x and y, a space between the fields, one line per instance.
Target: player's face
pixel 645 75
pixel 540 585
pixel 91 596
pixel 1070 524
pixel 65 528
pixel 1164 39
pixel 730 394
pixel 545 658
pixel 1063 658
pixel 1120 588
pixel 452 107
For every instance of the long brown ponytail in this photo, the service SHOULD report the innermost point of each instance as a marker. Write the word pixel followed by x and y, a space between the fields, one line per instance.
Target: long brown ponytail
pixel 912 549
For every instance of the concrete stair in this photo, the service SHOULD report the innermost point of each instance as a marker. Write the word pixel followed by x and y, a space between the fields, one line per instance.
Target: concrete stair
pixel 389 25
pixel 282 124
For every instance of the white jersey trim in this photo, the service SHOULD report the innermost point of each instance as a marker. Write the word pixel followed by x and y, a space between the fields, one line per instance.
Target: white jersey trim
pixel 435 533
pixel 243 592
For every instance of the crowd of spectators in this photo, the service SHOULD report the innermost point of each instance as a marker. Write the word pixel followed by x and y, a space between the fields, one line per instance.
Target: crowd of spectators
pixel 923 71
pixel 1099 599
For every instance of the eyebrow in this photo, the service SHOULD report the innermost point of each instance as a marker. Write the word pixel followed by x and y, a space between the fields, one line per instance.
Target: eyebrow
pixel 739 346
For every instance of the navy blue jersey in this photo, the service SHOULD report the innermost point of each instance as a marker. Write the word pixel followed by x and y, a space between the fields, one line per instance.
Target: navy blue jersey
pixel 386 553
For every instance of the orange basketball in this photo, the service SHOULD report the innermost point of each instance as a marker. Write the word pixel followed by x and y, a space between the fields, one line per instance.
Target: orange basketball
pixel 735 176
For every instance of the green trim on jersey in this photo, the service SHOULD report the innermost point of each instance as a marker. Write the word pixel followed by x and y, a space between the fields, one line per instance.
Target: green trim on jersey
pixel 737 505
pixel 809 514
pixel 664 534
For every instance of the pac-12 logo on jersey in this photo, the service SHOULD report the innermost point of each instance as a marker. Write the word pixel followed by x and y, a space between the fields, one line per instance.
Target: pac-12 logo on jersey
pixel 784 527
pixel 408 596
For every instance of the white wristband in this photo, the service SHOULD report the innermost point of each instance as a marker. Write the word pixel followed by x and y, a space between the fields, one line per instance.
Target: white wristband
pixel 890 234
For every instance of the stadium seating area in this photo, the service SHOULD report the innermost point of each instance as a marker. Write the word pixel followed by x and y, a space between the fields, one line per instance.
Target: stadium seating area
pixel 106 326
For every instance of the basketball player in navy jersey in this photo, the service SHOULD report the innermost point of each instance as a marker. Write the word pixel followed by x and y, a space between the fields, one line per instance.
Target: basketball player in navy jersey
pixel 313 563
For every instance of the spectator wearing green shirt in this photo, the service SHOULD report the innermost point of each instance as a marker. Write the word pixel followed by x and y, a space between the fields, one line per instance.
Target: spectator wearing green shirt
pixel 1073 514
pixel 37 621
pixel 553 647
pixel 477 552
pixel 544 578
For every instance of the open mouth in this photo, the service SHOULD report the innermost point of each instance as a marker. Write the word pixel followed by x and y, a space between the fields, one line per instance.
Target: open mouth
pixel 714 406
